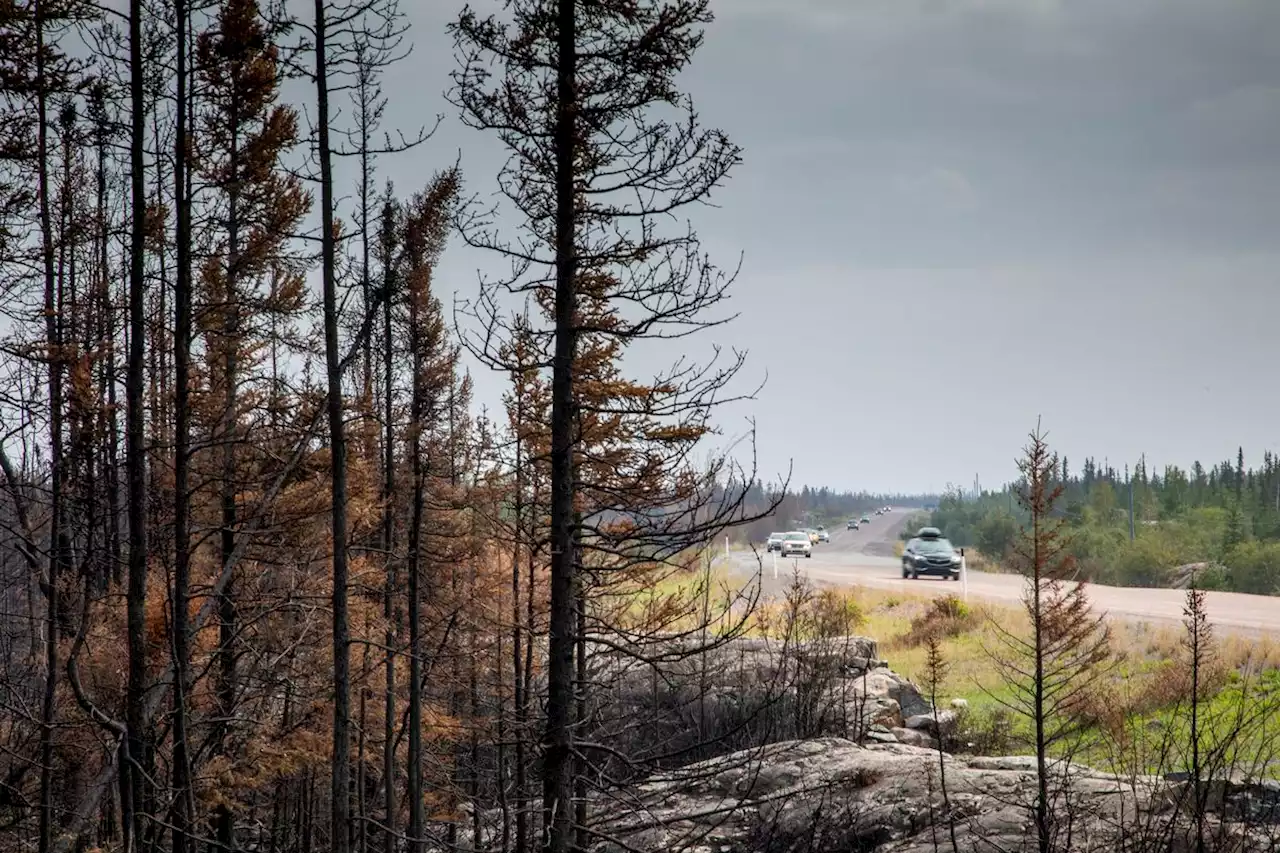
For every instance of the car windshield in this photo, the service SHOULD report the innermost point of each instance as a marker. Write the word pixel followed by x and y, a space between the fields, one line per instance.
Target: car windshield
pixel 798 537
pixel 933 546
pixel 775 535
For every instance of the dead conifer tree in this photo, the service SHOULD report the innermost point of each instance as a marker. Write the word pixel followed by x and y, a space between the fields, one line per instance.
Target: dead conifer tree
pixel 935 675
pixel 241 138
pixel 136 721
pixel 603 149
pixel 349 41
pixel 1198 646
pixel 425 229
pixel 184 812
pixel 1050 670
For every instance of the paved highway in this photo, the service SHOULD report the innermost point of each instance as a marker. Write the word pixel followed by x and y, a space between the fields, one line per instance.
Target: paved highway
pixel 865 557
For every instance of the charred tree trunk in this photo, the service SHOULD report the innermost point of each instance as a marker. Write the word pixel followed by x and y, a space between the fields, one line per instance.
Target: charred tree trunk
pixel 519 793
pixel 557 771
pixel 455 663
pixel 53 356
pixel 415 595
pixel 340 783
pixel 473 709
pixel 183 813
pixel 135 710
pixel 388 532
pixel 581 765
pixel 580 683
pixel 107 385
pixel 531 631
pixel 362 817
pixel 224 818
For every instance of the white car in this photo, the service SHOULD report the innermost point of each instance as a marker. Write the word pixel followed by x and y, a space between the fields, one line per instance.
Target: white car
pixel 823 535
pixel 796 543
pixel 774 542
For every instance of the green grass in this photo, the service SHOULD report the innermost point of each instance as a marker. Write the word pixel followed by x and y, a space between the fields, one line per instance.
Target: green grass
pixel 1143 707
pixel 1239 725
pixel 1139 717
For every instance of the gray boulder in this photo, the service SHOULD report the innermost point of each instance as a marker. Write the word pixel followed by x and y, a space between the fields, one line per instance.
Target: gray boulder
pixel 1237 798
pixel 881 734
pixel 884 683
pixel 914 737
pixel 841 683
pixel 934 723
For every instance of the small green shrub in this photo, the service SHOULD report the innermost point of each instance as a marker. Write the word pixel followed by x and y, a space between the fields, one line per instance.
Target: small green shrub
pixel 949 608
pixel 987 732
pixel 1254 567
pixel 832 613
pixel 944 617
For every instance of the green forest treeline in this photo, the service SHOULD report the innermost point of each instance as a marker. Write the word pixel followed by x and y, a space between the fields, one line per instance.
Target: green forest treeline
pixel 1220 523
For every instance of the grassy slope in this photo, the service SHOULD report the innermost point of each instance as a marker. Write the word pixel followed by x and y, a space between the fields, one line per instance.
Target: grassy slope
pixel 1141 710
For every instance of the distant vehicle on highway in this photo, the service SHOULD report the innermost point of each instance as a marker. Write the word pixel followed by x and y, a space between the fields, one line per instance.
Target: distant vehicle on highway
pixel 812 534
pixel 774 542
pixel 929 553
pixel 866 520
pixel 851 524
pixel 796 543
pixel 880 512
pixel 888 509
pixel 823 535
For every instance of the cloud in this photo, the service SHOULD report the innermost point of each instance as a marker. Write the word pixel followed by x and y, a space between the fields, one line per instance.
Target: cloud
pixel 1078 122
pixel 1243 121
pixel 1103 163
pixel 939 188
pixel 873 12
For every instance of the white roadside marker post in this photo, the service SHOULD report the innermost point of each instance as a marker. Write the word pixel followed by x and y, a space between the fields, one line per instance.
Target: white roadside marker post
pixel 775 564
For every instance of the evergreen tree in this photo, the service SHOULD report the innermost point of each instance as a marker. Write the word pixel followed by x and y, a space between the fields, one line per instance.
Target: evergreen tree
pixel 1236 531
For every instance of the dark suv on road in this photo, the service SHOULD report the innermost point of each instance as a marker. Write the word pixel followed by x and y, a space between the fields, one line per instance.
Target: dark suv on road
pixel 930 554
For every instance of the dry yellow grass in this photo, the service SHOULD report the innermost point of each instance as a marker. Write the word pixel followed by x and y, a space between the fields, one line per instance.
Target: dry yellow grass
pixel 1144 651
pixel 1144 641
pixel 1149 685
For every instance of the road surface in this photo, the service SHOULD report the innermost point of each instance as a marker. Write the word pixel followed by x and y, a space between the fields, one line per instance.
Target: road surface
pixel 865 557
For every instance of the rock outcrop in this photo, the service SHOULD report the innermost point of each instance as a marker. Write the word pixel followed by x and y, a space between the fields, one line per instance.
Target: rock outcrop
pixel 830 795
pixel 833 686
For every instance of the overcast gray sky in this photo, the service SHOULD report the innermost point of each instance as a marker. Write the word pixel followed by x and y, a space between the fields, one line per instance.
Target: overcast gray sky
pixel 970 213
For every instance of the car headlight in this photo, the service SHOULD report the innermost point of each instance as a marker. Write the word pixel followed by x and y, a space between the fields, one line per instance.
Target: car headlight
pixel 955 559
